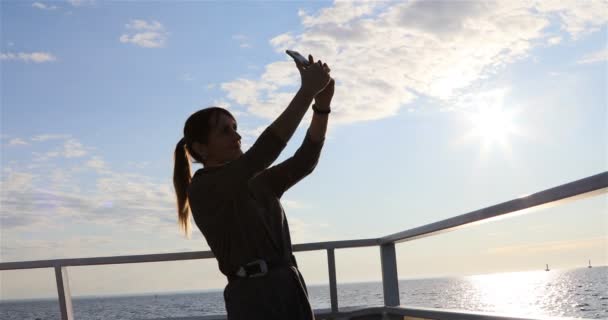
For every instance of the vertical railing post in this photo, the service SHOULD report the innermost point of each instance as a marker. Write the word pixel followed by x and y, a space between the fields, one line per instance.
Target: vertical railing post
pixel 333 288
pixel 63 290
pixel 390 281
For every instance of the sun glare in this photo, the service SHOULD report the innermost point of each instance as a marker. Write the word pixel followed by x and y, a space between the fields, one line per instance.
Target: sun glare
pixel 514 293
pixel 493 125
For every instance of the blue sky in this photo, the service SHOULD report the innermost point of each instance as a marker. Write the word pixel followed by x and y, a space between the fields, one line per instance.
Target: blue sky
pixel 440 109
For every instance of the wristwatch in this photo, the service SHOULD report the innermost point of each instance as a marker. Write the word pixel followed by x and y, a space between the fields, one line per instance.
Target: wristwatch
pixel 316 110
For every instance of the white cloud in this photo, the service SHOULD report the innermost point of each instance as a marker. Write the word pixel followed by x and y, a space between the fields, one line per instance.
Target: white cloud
pixel 577 17
pixel 598 56
pixel 285 40
pixel 226 105
pixel 242 91
pixel 16 142
pixel 42 6
pixel 145 39
pixel 37 57
pixel 554 40
pixel 341 13
pixel 145 34
pixel 250 135
pixel 144 25
pixel 384 55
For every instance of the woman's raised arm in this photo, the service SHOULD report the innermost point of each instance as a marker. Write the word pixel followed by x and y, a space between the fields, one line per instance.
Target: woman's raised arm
pixel 314 78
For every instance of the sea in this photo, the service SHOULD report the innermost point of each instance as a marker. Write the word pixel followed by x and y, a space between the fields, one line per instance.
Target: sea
pixel 574 293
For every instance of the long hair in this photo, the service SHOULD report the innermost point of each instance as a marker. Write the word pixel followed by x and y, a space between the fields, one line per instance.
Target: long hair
pixel 197 129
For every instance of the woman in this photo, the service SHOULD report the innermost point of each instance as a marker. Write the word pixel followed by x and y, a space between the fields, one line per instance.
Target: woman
pixel 235 198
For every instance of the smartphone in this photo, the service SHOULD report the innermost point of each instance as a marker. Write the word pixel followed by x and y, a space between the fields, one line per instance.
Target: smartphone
pixel 298 57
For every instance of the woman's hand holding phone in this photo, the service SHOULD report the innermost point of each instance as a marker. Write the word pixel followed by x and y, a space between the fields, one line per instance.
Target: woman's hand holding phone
pixel 314 77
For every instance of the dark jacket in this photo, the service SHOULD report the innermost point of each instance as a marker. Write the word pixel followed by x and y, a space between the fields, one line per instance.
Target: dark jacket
pixel 237 208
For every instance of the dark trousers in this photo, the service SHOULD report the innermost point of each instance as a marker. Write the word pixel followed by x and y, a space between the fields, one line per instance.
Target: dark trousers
pixel 281 294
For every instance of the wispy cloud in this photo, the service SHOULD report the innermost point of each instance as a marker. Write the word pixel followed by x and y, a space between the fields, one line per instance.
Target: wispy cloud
pixel 73 149
pixel 305 231
pixel 68 147
pixel 436 49
pixel 292 204
pixel 551 246
pixel 598 56
pixel 51 198
pixel 186 77
pixel 145 34
pixel 37 57
pixel 80 3
pixel 576 17
pixel 46 137
pixel 554 40
pixel 243 40
pixel 17 142
pixel 42 6
pixel 139 165
pixel 98 164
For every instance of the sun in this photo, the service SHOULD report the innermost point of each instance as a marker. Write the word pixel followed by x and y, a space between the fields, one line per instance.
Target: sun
pixel 491 119
pixel 493 125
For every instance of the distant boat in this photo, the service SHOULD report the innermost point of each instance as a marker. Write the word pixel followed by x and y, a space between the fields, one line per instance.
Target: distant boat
pixel 547 269
pixel 589 264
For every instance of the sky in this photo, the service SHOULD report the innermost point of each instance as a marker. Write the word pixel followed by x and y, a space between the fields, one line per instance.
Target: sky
pixel 441 108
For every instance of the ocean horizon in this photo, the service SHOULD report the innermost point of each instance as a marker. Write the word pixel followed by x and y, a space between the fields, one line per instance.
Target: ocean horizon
pixel 580 292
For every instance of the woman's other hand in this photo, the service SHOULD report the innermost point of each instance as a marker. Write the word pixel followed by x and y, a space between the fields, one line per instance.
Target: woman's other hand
pixel 315 77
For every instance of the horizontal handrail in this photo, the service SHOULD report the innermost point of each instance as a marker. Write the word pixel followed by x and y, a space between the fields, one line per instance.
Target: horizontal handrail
pixel 582 188
pixel 160 257
pixel 342 244
pixel 106 260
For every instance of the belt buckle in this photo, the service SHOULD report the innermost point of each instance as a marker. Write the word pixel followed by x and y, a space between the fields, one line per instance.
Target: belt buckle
pixel 262 265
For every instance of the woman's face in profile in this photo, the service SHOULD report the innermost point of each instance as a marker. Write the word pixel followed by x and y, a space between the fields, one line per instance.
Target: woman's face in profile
pixel 224 142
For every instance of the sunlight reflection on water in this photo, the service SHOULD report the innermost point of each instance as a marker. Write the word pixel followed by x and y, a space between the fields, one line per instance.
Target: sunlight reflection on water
pixel 513 293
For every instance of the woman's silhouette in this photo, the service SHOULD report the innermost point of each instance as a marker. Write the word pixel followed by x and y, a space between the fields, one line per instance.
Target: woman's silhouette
pixel 235 203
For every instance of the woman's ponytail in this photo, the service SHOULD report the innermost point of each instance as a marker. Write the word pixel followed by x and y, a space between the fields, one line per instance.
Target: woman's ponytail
pixel 196 129
pixel 181 181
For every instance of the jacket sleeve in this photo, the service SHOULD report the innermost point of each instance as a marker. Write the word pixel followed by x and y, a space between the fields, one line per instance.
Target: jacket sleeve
pixel 284 175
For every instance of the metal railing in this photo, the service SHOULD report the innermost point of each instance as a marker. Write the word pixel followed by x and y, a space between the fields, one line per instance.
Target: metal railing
pixel 575 190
